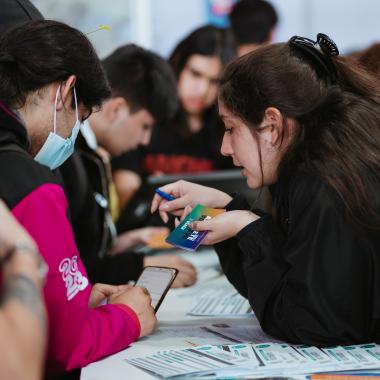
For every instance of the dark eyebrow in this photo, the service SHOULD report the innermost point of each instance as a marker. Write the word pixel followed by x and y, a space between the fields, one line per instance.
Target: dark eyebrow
pixel 200 74
pixel 194 71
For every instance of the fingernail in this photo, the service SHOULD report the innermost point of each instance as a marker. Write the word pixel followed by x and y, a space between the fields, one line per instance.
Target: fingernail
pixel 163 207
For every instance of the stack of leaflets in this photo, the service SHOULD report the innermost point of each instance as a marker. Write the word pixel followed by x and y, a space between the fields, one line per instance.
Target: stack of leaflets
pixel 199 359
pixel 258 360
pixel 221 302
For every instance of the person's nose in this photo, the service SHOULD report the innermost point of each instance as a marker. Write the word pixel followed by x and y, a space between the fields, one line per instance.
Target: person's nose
pixel 226 148
pixel 145 138
pixel 203 87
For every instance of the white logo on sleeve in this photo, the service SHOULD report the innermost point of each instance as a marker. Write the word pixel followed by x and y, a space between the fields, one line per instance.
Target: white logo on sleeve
pixel 73 278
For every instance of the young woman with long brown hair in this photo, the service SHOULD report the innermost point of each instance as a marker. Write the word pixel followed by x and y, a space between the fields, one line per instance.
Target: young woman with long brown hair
pixel 307 123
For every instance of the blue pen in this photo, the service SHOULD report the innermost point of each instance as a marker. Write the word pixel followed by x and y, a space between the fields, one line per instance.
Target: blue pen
pixel 164 195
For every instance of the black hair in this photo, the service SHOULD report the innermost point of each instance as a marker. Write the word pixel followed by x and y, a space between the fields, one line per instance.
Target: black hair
pixel 337 136
pixel 38 53
pixel 144 79
pixel 209 41
pixel 252 21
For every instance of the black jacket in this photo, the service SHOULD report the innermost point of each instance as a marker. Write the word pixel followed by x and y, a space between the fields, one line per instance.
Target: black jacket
pixel 311 275
pixel 86 179
pixel 16 12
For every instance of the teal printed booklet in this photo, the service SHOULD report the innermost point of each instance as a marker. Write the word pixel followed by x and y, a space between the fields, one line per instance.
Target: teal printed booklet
pixel 186 238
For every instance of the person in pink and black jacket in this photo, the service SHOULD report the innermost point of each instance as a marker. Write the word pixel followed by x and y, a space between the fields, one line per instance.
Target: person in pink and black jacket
pixel 50 81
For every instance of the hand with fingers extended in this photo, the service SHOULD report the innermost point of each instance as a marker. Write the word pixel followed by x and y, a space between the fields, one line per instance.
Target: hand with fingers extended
pixel 187 274
pixel 187 194
pixel 139 300
pixel 224 226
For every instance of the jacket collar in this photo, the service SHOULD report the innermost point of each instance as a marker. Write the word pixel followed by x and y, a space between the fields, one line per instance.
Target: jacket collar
pixel 12 128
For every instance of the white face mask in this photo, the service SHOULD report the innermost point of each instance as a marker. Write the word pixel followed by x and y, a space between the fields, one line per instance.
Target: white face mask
pixel 56 149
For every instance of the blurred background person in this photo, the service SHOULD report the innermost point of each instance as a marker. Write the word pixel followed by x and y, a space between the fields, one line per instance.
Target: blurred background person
pixel 23 326
pixel 189 142
pixel 253 23
pixel 143 90
pixel 370 59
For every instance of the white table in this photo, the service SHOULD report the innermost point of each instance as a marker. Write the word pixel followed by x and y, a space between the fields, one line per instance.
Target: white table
pixel 171 315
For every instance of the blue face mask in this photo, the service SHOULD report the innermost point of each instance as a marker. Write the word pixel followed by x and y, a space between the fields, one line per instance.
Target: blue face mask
pixel 56 149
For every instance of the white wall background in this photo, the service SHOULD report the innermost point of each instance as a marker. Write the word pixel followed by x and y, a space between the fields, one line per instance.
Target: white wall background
pixel 353 24
pixel 160 24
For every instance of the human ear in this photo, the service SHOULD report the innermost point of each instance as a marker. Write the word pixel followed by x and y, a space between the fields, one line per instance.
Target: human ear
pixel 113 107
pixel 66 94
pixel 273 121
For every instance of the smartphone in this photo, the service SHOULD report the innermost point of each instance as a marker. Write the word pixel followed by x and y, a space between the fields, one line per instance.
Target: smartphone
pixel 157 280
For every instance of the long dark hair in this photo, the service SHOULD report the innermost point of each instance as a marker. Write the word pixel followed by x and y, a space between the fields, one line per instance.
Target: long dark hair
pixel 42 52
pixel 338 135
pixel 209 41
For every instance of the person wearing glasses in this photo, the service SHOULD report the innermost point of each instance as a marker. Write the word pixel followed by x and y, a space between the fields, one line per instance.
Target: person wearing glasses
pixel 305 122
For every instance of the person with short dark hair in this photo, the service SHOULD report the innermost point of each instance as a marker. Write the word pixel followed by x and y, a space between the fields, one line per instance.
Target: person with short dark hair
pixel 144 80
pixel 50 81
pixel 143 93
pixel 306 123
pixel 253 23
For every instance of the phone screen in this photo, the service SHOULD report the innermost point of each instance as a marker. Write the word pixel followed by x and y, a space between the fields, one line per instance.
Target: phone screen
pixel 157 281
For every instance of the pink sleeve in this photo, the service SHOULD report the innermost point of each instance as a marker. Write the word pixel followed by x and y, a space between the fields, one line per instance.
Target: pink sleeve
pixel 78 335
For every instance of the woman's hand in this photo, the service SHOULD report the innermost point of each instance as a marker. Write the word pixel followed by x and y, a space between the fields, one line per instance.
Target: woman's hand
pixel 224 226
pixel 187 274
pixel 187 194
pixel 101 292
pixel 133 238
pixel 139 300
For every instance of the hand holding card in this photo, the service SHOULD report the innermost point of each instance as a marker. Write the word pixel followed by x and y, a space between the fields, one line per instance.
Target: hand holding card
pixel 186 238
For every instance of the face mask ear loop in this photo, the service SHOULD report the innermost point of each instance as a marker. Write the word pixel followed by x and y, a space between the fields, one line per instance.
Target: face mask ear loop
pixel 55 110
pixel 76 103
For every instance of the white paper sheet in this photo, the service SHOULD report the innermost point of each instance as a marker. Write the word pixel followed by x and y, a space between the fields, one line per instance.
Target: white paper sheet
pixel 221 302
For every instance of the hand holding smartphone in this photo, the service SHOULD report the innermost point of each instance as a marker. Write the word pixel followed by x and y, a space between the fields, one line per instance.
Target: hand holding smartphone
pixel 157 280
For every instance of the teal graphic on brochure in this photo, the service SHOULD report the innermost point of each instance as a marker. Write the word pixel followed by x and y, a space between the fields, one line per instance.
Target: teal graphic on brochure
pixel 186 238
